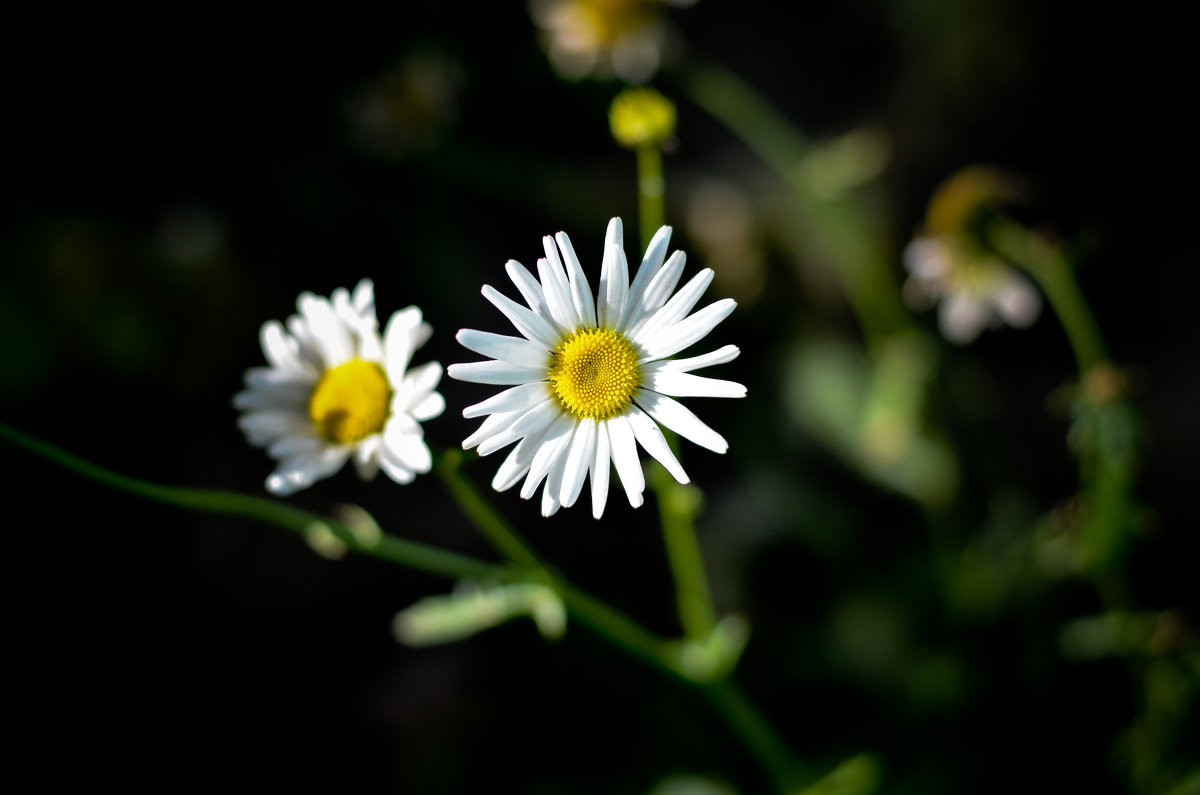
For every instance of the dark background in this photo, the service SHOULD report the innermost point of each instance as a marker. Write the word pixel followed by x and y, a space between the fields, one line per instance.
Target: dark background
pixel 170 183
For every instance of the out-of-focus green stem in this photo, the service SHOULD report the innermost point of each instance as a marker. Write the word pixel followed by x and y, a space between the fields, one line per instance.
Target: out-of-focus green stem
pixel 1046 263
pixel 410 554
pixel 756 733
pixel 836 225
pixel 651 205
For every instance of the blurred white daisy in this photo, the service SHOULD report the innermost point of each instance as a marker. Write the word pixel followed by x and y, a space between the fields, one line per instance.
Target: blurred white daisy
pixel 336 390
pixel 590 379
pixel 625 38
pixel 975 289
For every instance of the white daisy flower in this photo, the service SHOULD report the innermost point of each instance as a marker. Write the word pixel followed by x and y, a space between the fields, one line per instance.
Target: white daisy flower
pixel 976 289
pixel 590 377
pixel 335 390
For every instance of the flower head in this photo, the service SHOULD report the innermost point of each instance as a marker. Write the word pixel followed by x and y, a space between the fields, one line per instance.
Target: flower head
pixel 641 117
pixel 621 37
pixel 976 289
pixel 335 389
pixel 590 379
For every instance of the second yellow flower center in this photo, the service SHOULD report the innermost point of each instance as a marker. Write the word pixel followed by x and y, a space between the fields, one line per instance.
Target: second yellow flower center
pixel 350 402
pixel 594 373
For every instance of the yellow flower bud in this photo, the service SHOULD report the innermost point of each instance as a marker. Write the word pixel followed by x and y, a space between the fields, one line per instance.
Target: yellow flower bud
pixel 641 116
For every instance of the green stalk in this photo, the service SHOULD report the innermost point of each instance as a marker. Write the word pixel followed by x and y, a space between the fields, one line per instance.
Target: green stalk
pixel 837 226
pixel 651 191
pixel 502 536
pixel 409 554
pixel 757 735
pixel 1048 266
pixel 677 506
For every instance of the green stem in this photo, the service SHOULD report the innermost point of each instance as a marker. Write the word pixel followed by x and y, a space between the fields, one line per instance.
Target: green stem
pixel 756 734
pixel 651 191
pixel 604 620
pixel 1046 263
pixel 410 554
pixel 837 227
pixel 502 536
pixel 677 505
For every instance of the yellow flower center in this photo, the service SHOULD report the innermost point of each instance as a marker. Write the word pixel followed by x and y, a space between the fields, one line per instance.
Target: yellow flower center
pixel 351 401
pixel 594 373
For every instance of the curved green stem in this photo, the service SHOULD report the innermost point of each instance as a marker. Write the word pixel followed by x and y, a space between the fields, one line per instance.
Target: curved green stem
pixel 502 536
pixel 1048 266
pixel 606 621
pixel 757 735
pixel 410 554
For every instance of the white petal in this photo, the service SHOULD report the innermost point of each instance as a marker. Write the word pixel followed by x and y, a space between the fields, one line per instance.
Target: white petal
pixel 517 463
pixel 400 340
pixel 650 436
pixel 363 299
pixel 614 288
pixel 330 335
pixel 411 451
pixel 537 417
pixel 625 458
pixel 281 349
pixel 552 446
pixel 514 350
pixel 366 457
pixel 424 378
pixel 263 427
pixel 726 353
pixel 532 326
pixel 578 459
pixel 496 423
pixel 600 467
pixel 557 291
pixel 517 398
pixel 310 352
pixel 655 252
pixel 428 407
pixel 689 331
pixel 688 385
pixel 305 469
pixel 535 420
pixel 402 422
pixel 677 308
pixel 493 372
pixel 395 469
pixel 289 446
pixel 581 292
pixel 678 418
pixel 961 317
pixel 926 258
pixel 1019 303
pixel 554 479
pixel 644 304
pixel 257 377
pixel 288 396
pixel 529 288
